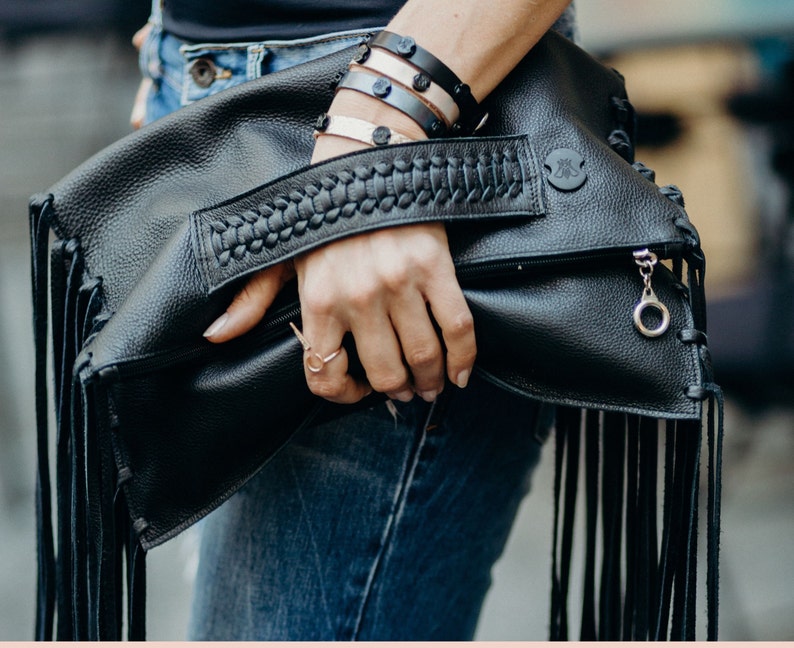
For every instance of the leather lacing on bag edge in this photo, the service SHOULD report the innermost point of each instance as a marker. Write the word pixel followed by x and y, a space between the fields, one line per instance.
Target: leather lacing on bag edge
pixel 658 580
pixel 81 584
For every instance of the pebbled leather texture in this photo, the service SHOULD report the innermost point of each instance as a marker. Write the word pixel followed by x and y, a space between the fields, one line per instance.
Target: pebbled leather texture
pixel 167 223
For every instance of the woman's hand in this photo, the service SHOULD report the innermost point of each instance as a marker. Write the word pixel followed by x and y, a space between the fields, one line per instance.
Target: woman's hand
pixel 139 105
pixel 390 289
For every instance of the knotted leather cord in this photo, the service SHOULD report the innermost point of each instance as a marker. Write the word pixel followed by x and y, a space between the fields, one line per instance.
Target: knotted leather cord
pixel 715 442
pixel 84 295
pixel 661 585
pixel 656 579
pixel 664 580
pixel 73 499
pixel 85 587
pixel 95 524
pixel 129 557
pixel 78 505
pixel 571 484
pixel 684 601
pixel 136 583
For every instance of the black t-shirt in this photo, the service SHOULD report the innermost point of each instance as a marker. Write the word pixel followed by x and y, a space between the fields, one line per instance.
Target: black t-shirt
pixel 224 21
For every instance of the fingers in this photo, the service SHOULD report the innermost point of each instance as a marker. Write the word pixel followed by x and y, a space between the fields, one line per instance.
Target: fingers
pixel 250 304
pixel 138 113
pixel 378 287
pixel 139 38
pixel 440 290
pixel 452 313
pixel 325 326
pixel 379 351
pixel 421 347
pixel 330 378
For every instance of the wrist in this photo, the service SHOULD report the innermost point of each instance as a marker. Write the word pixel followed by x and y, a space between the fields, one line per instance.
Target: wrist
pixel 349 103
pixel 354 104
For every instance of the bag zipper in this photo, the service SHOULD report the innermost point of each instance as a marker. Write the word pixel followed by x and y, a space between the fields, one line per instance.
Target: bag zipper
pixel 511 266
pixel 278 326
pixel 274 328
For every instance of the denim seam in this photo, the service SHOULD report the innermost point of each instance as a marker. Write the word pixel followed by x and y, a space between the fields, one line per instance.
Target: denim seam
pixel 313 541
pixel 398 506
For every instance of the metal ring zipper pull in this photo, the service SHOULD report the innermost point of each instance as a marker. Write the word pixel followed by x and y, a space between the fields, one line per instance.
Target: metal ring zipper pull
pixel 647 260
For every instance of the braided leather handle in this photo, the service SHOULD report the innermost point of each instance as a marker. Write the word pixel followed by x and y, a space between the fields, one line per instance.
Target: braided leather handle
pixel 418 182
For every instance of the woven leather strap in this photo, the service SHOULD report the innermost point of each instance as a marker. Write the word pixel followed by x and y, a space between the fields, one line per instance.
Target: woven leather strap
pixel 417 182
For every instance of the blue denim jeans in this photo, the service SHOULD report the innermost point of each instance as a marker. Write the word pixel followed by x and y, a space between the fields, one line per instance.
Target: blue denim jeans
pixel 186 72
pixel 381 524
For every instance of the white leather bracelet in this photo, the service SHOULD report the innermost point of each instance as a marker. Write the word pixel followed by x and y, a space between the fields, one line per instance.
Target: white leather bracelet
pixel 359 130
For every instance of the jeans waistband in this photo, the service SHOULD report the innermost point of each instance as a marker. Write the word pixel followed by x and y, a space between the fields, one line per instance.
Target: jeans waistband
pixel 196 70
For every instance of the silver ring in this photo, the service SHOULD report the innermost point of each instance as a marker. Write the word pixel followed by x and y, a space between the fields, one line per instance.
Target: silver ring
pixel 317 369
pixel 314 368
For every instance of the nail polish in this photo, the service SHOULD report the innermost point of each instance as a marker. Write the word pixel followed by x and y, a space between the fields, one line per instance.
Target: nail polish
pixel 216 326
pixel 463 378
pixel 405 396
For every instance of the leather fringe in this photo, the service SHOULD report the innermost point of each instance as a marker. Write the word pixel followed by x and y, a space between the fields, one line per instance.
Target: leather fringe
pixel 98 552
pixel 648 581
pixel 656 596
pixel 80 586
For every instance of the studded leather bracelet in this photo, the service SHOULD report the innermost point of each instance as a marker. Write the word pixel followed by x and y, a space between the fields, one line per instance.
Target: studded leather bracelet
pixel 381 87
pixel 358 130
pixel 401 71
pixel 472 116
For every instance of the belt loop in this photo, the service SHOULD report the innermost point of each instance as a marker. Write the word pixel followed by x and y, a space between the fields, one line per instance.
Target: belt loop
pixel 156 16
pixel 256 57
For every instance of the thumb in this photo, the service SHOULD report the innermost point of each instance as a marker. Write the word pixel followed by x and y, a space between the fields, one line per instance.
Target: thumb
pixel 249 306
pixel 138 113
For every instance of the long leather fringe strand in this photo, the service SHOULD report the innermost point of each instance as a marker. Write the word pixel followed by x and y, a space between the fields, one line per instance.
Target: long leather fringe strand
pixel 80 588
pixel 648 580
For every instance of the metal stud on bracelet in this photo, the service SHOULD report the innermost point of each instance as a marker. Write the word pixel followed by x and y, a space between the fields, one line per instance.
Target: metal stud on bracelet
pixel 472 116
pixel 397 97
pixel 411 78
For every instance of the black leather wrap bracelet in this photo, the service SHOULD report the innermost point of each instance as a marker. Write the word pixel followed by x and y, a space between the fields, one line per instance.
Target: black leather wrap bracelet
pixel 472 116
pixel 394 95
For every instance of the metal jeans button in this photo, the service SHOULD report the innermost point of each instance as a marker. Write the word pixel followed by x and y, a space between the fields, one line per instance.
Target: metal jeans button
pixel 203 72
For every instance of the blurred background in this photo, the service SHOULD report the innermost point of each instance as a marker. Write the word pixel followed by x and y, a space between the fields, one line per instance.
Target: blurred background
pixel 713 82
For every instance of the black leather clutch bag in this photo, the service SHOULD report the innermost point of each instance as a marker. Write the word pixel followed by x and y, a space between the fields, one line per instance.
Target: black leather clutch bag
pixel 554 233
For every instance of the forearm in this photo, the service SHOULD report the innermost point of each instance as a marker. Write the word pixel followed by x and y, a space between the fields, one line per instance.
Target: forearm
pixel 479 41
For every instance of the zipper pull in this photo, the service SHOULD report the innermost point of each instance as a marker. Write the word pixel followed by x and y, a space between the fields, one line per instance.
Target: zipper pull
pixel 646 260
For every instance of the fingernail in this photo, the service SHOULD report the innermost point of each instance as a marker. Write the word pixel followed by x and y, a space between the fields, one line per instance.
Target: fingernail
pixel 216 326
pixel 463 378
pixel 428 396
pixel 406 395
